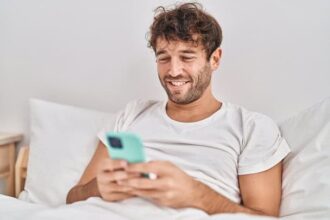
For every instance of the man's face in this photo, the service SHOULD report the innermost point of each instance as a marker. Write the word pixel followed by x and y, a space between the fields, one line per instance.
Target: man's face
pixel 183 70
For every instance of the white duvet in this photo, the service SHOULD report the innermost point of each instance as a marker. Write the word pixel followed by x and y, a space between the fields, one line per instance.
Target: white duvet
pixel 97 209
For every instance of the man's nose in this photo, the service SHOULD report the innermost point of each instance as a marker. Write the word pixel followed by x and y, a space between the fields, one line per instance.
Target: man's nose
pixel 176 68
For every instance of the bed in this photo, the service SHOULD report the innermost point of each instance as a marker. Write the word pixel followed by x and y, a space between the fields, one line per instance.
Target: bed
pixel 60 148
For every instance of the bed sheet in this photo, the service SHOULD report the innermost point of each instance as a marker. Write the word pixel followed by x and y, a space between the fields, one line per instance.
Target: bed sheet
pixel 97 209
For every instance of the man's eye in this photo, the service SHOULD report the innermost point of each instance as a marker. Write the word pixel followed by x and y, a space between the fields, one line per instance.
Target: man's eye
pixel 163 59
pixel 187 58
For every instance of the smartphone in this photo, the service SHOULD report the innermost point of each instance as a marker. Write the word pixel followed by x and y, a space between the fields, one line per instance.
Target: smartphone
pixel 126 146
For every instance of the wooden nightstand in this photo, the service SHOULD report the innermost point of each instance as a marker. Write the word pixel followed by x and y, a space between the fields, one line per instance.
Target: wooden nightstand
pixel 7 159
pixel 21 169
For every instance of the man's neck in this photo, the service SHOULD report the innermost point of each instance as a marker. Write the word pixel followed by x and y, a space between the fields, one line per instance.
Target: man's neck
pixel 195 111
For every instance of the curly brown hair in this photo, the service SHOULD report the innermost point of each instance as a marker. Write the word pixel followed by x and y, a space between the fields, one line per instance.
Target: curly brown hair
pixel 187 22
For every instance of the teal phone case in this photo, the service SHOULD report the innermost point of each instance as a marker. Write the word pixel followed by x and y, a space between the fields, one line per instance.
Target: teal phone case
pixel 125 145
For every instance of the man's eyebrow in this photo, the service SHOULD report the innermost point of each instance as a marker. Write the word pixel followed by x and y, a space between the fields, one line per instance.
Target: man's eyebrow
pixel 160 52
pixel 188 51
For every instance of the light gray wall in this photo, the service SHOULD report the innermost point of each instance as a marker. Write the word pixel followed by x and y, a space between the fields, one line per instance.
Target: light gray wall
pixel 93 54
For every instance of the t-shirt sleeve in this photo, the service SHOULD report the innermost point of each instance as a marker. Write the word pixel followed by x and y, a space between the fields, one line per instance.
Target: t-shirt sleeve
pixel 109 126
pixel 263 146
pixel 124 118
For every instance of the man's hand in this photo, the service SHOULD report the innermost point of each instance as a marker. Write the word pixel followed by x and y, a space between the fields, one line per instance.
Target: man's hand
pixel 176 189
pixel 172 187
pixel 108 174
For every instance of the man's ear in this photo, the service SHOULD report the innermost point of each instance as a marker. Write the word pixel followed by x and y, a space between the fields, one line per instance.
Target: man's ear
pixel 215 58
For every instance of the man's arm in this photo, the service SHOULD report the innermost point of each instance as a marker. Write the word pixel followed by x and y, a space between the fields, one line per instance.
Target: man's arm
pixel 99 179
pixel 261 192
pixel 83 191
pixel 87 185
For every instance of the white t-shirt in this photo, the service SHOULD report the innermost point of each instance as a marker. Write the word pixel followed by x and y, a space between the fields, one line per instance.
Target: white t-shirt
pixel 233 141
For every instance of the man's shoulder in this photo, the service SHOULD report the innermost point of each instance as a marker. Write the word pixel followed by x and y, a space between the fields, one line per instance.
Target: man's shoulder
pixel 247 116
pixel 132 111
pixel 140 105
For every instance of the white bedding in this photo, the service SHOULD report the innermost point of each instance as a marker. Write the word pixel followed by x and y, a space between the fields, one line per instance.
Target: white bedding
pixel 97 209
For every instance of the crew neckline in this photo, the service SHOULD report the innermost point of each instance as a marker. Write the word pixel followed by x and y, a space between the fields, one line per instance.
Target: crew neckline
pixel 195 123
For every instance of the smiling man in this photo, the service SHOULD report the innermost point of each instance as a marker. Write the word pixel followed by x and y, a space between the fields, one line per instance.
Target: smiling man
pixel 207 154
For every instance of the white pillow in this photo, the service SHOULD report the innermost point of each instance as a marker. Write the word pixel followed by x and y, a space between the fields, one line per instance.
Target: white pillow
pixel 306 170
pixel 63 140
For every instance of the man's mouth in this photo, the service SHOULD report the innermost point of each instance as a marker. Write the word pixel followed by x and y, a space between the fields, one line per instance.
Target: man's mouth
pixel 177 83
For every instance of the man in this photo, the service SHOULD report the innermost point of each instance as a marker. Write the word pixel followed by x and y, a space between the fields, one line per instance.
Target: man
pixel 206 154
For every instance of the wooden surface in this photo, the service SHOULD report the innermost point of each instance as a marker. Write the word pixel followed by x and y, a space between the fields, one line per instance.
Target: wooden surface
pixel 21 169
pixel 7 138
pixel 7 159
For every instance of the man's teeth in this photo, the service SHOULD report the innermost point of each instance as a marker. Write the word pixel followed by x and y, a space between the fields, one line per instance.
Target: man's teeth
pixel 178 83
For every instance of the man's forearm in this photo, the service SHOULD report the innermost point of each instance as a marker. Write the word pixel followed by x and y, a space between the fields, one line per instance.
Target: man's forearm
pixel 212 202
pixel 83 192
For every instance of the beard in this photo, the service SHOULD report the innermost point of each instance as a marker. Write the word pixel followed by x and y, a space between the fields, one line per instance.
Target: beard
pixel 197 86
